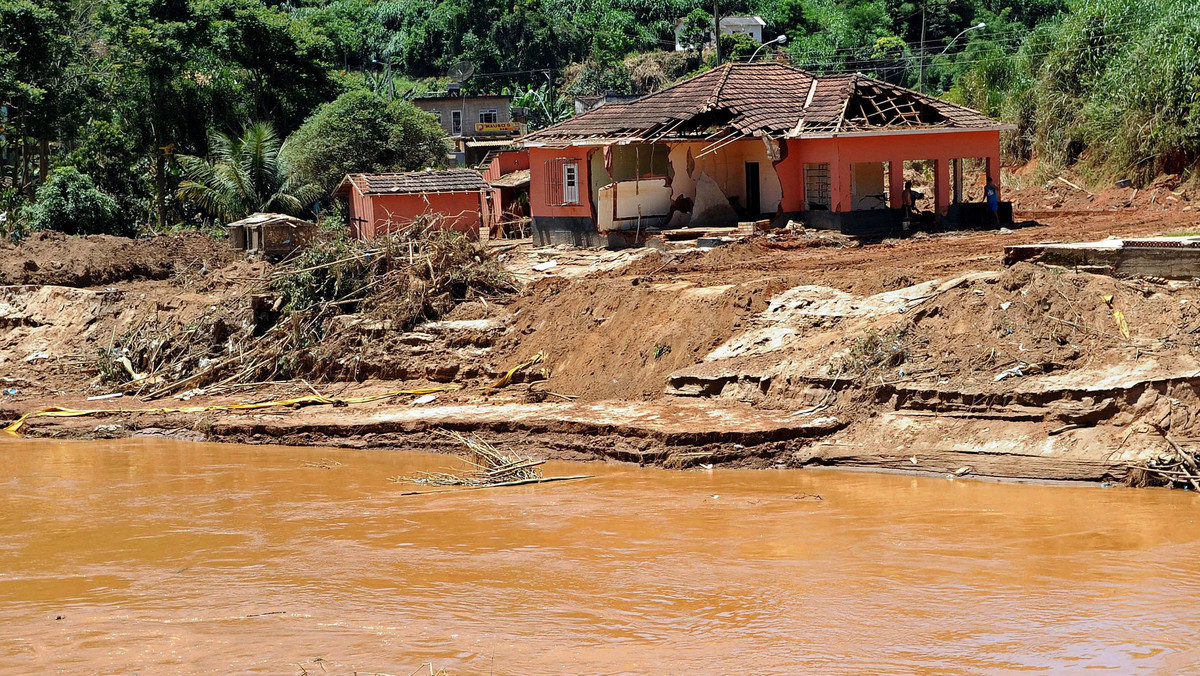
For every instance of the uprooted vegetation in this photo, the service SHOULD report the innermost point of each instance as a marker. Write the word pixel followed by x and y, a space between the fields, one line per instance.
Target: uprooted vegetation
pixel 288 325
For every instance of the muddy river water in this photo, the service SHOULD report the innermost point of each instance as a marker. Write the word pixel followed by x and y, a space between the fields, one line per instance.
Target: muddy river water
pixel 169 557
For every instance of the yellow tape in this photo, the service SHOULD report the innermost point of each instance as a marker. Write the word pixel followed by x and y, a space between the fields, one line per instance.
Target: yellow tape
pixel 311 399
pixel 505 379
pixel 1117 316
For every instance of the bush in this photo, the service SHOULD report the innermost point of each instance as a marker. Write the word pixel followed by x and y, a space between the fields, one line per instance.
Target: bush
pixel 70 202
pixel 361 131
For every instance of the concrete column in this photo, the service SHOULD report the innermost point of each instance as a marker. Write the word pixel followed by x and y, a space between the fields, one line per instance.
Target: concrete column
pixel 896 183
pixel 941 186
pixel 840 182
pixel 993 170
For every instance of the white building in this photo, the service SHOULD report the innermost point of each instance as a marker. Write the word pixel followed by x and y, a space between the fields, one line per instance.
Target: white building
pixel 730 25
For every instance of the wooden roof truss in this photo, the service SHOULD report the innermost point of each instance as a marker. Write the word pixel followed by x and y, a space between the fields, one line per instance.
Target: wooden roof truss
pixel 874 106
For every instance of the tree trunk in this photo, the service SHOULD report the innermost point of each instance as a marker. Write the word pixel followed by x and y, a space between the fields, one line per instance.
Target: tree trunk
pixel 26 181
pixel 43 160
pixel 160 184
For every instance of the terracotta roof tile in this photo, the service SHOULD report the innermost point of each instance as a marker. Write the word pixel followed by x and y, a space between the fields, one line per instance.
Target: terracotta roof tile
pixel 764 99
pixel 449 180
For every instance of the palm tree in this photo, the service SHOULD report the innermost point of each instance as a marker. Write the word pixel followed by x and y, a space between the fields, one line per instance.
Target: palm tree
pixel 245 175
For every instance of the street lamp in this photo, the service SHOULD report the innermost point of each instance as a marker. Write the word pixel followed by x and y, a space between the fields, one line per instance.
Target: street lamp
pixel 948 46
pixel 779 40
pixel 387 72
pixel 956 37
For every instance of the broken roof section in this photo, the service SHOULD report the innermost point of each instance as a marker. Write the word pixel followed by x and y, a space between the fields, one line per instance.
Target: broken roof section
pixel 428 181
pixel 514 179
pixel 767 99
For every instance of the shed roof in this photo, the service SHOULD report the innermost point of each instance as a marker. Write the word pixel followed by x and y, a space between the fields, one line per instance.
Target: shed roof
pixel 428 181
pixel 260 218
pixel 767 99
pixel 514 179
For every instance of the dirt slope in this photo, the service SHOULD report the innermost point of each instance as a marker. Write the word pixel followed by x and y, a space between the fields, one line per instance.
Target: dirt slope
pixel 97 260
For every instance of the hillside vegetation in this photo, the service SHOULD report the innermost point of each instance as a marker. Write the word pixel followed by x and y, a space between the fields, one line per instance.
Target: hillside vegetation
pixel 141 98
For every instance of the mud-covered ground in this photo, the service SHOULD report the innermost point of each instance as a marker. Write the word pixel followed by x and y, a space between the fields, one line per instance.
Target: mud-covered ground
pixel 765 353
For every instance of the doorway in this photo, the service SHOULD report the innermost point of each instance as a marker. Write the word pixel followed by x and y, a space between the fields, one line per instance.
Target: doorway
pixel 753 191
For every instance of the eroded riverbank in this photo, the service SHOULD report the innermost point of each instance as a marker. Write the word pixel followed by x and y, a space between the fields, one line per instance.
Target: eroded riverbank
pixel 173 557
pixel 920 355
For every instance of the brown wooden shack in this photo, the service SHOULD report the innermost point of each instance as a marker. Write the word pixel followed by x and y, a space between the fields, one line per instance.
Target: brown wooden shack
pixel 273 235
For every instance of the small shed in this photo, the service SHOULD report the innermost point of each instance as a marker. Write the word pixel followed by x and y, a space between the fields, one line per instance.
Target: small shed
pixel 381 203
pixel 270 234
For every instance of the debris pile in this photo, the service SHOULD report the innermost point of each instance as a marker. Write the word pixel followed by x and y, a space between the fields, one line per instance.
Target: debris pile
pixel 1177 467
pixel 491 467
pixel 1025 321
pixel 288 325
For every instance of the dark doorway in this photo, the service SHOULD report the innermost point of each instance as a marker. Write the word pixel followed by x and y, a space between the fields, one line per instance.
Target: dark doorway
pixel 753 200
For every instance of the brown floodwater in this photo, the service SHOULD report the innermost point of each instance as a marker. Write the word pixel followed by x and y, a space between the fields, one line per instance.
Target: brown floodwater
pixel 158 557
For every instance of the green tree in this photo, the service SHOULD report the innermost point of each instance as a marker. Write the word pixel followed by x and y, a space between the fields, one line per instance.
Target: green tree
pixel 543 106
pixel 245 175
pixel 282 63
pixel 361 131
pixel 70 202
pixel 33 55
pixel 737 46
pixel 160 95
pixel 697 30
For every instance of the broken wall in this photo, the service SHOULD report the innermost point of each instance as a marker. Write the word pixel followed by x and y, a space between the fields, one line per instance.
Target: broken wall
pixel 631 186
pixel 710 180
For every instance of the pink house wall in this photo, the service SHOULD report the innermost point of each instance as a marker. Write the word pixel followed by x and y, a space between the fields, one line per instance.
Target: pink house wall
pixel 505 163
pixel 841 152
pixel 838 152
pixel 539 183
pixel 380 214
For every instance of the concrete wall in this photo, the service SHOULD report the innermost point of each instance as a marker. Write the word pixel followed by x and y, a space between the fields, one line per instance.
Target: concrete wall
pixel 470 107
pixel 647 202
pixel 842 152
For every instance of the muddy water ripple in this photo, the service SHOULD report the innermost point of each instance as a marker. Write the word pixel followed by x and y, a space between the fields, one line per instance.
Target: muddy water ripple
pixel 169 557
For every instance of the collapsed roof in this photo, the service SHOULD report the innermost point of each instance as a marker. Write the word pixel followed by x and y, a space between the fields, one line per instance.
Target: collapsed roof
pixel 428 181
pixel 767 99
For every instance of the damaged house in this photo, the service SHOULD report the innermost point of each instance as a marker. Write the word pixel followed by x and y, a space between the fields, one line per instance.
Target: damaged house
pixel 745 142
pixel 377 204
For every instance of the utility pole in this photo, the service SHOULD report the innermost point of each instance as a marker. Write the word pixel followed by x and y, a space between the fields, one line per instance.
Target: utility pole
pixel 921 78
pixel 717 28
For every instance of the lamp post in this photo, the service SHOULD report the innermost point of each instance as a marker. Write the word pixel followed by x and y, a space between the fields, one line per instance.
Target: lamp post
pixel 777 41
pixel 717 30
pixel 948 46
pixel 387 72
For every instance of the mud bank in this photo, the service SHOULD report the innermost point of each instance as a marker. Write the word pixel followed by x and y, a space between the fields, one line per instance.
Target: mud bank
pixel 920 355
pixel 674 434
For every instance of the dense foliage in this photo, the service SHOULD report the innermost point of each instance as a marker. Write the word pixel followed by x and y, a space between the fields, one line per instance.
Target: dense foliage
pixel 123 90
pixel 70 202
pixel 363 131
pixel 246 174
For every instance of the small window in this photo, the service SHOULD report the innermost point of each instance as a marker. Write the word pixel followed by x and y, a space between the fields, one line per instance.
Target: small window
pixel 817 193
pixel 456 123
pixel 437 114
pixel 488 116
